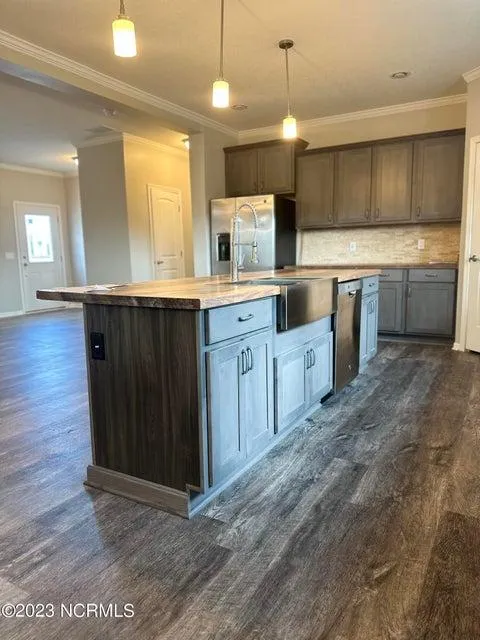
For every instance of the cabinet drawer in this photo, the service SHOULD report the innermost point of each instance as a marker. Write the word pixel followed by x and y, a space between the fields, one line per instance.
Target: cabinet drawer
pixel 228 322
pixel 391 275
pixel 369 285
pixel 431 275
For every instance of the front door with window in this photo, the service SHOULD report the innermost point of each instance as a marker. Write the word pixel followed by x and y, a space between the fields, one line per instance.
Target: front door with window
pixel 39 252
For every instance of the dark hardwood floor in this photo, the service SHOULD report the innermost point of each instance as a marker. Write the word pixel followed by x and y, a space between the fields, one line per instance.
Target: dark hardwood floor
pixel 364 524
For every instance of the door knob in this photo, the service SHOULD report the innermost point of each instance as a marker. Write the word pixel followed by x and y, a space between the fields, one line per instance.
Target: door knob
pixel 474 258
pixel 159 261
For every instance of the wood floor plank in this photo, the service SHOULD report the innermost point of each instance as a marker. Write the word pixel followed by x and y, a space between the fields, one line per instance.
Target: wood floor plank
pixel 361 525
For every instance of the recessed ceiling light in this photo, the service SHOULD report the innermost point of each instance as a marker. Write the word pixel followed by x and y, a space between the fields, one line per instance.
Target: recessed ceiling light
pixel 186 143
pixel 75 160
pixel 400 75
pixel 239 107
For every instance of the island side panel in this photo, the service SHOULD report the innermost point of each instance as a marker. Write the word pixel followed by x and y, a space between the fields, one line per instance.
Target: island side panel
pixel 144 396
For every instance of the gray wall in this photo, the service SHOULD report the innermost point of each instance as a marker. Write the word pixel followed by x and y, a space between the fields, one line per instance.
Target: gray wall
pixel 26 187
pixel 207 178
pixel 101 173
pixel 75 231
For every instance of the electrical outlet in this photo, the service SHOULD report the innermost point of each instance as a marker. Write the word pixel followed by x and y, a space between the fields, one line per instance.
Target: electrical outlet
pixel 421 244
pixel 352 247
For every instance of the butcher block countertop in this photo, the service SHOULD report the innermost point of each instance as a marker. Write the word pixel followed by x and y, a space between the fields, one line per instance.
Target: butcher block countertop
pixel 194 293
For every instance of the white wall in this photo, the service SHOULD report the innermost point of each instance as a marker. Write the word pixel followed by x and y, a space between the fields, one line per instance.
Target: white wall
pixel 27 187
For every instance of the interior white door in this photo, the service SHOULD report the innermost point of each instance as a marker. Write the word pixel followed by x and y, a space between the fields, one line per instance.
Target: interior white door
pixel 39 252
pixel 167 233
pixel 473 313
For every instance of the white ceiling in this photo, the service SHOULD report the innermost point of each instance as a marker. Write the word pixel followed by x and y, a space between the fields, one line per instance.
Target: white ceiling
pixel 40 127
pixel 345 50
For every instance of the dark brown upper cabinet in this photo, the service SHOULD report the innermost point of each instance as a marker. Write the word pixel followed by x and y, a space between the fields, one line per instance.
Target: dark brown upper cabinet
pixel 416 179
pixel 392 182
pixel 241 172
pixel 353 186
pixel 262 168
pixel 315 190
pixel 438 178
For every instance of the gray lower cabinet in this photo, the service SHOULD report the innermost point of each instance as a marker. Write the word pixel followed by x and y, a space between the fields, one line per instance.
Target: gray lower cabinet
pixel 303 376
pixel 391 307
pixel 430 308
pixel 239 403
pixel 417 301
pixel 368 329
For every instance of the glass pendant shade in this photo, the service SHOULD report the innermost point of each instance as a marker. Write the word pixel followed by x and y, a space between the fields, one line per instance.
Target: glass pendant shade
pixel 124 43
pixel 220 94
pixel 289 127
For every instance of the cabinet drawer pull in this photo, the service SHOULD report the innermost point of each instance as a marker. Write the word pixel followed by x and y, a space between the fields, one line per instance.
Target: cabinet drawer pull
pixel 330 217
pixel 377 213
pixel 409 291
pixel 431 275
pixel 384 275
pixel 314 357
pixel 244 362
pixel 419 211
pixel 249 359
pixel 249 316
pixel 367 214
pixel 307 360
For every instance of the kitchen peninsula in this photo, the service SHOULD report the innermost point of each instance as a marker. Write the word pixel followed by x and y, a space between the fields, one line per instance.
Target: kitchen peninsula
pixel 192 380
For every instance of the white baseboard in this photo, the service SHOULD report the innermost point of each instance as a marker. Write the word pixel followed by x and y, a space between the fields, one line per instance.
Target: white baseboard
pixel 11 314
pixel 457 347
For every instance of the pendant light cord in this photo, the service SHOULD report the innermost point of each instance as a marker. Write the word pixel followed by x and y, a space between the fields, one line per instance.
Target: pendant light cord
pixel 222 23
pixel 122 8
pixel 288 82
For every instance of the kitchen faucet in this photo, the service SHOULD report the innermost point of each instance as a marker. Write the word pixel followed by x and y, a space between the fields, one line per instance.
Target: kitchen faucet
pixel 235 244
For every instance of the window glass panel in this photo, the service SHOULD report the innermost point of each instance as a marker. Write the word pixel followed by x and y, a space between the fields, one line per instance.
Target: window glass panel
pixel 39 238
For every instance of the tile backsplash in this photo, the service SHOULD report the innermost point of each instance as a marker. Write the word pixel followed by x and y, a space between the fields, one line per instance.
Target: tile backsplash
pixel 388 245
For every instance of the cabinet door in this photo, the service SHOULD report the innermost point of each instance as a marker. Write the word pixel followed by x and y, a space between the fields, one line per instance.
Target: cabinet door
pixel 276 169
pixel 392 182
pixel 353 187
pixel 430 308
pixel 227 446
pixel 320 372
pixel 391 307
pixel 372 326
pixel 438 178
pixel 290 387
pixel 314 195
pixel 241 172
pixel 257 393
pixel 364 331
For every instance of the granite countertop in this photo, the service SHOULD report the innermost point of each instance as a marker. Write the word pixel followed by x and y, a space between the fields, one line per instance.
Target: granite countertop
pixel 384 265
pixel 195 293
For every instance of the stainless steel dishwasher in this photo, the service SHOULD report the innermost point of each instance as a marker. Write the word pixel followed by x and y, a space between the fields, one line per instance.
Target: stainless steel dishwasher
pixel 347 334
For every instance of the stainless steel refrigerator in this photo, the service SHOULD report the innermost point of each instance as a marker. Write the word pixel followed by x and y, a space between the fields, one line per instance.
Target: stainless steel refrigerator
pixel 276 234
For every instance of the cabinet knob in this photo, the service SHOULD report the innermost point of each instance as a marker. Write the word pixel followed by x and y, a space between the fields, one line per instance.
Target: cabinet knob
pixel 474 258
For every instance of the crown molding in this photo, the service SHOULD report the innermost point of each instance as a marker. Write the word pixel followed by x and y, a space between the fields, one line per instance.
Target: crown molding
pixel 119 136
pixel 362 115
pixel 25 47
pixel 473 74
pixel 40 172
pixel 128 137
pixel 107 138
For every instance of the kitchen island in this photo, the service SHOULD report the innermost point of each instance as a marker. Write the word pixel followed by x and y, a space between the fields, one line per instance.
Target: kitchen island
pixel 190 380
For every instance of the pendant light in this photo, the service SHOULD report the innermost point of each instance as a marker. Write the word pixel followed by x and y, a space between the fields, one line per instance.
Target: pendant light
pixel 220 91
pixel 289 122
pixel 124 43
